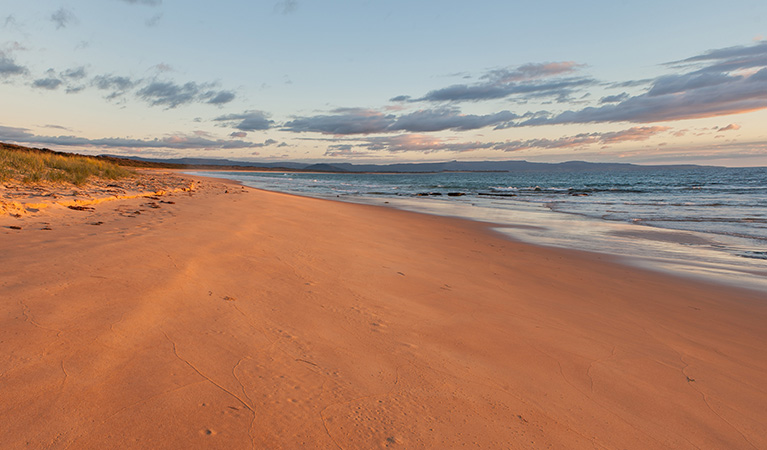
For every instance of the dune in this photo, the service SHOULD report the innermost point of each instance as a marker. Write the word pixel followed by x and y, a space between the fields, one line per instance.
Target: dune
pixel 228 317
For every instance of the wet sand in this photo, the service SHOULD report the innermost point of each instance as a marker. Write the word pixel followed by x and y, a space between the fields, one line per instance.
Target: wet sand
pixel 227 317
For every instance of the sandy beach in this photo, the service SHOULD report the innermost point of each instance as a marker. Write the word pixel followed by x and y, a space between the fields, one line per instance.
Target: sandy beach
pixel 227 317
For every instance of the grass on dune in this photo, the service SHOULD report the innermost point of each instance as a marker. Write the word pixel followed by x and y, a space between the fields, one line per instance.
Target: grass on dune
pixel 32 166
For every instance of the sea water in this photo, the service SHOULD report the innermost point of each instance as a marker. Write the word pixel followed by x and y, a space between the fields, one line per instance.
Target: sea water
pixel 705 222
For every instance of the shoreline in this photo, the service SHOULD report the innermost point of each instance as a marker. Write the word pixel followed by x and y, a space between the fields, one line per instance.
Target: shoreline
pixel 236 317
pixel 688 254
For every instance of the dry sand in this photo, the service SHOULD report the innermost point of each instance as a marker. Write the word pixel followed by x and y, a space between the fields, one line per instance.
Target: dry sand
pixel 236 318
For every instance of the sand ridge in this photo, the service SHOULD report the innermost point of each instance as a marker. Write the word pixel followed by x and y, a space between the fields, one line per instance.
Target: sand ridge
pixel 238 318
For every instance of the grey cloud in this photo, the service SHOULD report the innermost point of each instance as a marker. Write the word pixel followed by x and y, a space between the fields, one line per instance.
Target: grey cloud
pixel 531 71
pixel 220 97
pixel 76 74
pixel 118 85
pixel 239 134
pixel 730 58
pixel 172 95
pixel 9 67
pixel 167 93
pixel 705 92
pixel 449 119
pixel 529 80
pixel 363 121
pixel 491 91
pixel 418 143
pixel 247 121
pixel 63 18
pixel 180 142
pixel 614 98
pixel 153 21
pixel 47 83
pixel 670 84
pixel 348 121
pixel 400 98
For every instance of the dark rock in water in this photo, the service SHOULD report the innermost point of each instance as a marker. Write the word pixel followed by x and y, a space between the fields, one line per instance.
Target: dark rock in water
pixel 436 193
pixel 455 194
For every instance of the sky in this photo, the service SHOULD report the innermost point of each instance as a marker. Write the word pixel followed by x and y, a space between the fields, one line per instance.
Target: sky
pixel 388 81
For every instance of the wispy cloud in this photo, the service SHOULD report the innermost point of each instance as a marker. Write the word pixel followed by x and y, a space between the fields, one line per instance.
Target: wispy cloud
pixel 534 79
pixel 286 6
pixel 63 17
pixel 247 121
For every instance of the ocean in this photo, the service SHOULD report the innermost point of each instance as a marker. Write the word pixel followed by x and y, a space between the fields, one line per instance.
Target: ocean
pixel 702 222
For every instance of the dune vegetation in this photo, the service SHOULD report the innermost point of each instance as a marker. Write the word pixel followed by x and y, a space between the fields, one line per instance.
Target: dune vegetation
pixel 34 166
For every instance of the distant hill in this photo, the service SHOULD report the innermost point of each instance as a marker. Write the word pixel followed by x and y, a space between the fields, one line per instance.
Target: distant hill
pixel 429 167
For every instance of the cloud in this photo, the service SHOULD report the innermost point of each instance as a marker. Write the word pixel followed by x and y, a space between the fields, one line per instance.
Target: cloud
pixel 349 121
pixel 614 98
pixel 154 20
pixel 531 71
pixel 118 85
pixel 346 121
pixel 47 83
pixel 75 74
pixel 422 143
pixel 247 121
pixel 63 18
pixel 239 134
pixel 720 88
pixel 219 98
pixel 448 119
pixel 534 80
pixel 167 93
pixel 176 141
pixel 9 67
pixel 172 95
pixel 730 127
pixel 286 6
pixel 144 2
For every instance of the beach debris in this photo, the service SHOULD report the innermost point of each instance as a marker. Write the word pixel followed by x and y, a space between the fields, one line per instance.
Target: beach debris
pixel 152 205
pixel 229 299
pixel 14 227
pixel 167 202
pixel 690 380
pixel 97 223
pixel 80 208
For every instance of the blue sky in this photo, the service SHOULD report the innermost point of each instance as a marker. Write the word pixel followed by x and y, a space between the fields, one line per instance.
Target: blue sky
pixel 657 82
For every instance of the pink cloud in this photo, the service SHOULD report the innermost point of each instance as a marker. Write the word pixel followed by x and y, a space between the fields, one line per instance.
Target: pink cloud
pixel 730 127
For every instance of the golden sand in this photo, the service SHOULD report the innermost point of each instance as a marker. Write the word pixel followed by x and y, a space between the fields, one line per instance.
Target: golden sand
pixel 227 317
